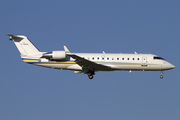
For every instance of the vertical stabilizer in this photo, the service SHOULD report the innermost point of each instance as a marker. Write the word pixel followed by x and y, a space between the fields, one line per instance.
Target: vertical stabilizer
pixel 25 47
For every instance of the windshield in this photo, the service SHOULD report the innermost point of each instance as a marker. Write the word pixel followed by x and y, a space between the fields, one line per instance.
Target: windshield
pixel 159 58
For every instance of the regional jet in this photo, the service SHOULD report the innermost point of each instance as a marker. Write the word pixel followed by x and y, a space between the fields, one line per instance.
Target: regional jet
pixel 89 63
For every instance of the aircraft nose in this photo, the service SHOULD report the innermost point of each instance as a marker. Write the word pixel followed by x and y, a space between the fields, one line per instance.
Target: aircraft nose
pixel 173 66
pixel 170 66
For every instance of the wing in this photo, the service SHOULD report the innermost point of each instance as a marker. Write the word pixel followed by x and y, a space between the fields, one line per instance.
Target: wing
pixel 89 65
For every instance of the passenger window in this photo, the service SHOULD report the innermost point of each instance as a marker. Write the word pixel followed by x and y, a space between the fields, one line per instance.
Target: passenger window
pixel 133 58
pixel 112 58
pixel 93 58
pixel 98 58
pixel 127 58
pixel 122 58
pixel 117 58
pixel 107 58
pixel 137 58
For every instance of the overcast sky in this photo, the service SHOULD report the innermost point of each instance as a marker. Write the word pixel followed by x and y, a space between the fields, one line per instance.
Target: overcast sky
pixel 30 92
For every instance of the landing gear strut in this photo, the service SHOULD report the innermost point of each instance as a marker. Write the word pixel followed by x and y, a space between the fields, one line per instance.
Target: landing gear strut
pixel 90 74
pixel 161 76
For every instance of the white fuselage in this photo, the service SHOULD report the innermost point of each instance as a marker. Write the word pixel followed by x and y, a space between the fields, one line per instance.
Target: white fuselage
pixel 138 62
pixel 88 63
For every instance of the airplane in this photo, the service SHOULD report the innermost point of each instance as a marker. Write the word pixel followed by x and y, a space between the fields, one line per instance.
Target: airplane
pixel 88 63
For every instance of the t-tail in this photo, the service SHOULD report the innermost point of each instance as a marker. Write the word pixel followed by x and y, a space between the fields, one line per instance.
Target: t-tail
pixel 25 47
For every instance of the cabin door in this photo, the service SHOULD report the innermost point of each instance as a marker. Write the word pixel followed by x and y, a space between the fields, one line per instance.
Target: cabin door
pixel 144 61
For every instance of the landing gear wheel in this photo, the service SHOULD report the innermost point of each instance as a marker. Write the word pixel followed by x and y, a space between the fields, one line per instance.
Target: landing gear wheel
pixel 161 76
pixel 90 76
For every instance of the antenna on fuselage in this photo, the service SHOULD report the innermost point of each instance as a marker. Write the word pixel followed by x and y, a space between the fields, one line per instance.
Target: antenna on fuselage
pixel 135 52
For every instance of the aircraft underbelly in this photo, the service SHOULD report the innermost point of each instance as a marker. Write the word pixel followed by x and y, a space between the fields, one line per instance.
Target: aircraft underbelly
pixel 138 67
pixel 127 67
pixel 55 66
pixel 76 67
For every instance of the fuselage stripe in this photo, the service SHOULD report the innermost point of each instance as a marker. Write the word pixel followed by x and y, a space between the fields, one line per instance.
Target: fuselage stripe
pixel 71 62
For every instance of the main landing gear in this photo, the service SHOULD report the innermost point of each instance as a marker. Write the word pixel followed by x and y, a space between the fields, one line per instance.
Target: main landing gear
pixel 161 76
pixel 90 74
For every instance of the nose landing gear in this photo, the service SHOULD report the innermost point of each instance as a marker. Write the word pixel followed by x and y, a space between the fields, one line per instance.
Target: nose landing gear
pixel 161 76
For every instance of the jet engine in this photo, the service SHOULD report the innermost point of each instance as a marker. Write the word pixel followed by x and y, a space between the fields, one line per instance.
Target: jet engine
pixel 55 55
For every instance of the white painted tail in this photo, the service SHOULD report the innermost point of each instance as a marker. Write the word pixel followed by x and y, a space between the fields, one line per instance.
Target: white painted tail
pixel 25 47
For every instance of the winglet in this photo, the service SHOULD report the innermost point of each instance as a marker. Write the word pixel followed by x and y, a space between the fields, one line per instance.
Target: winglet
pixel 66 50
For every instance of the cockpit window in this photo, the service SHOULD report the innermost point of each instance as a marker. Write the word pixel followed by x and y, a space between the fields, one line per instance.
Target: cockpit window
pixel 159 58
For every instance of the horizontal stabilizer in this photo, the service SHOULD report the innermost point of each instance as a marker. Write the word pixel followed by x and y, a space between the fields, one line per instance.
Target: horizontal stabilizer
pixel 13 36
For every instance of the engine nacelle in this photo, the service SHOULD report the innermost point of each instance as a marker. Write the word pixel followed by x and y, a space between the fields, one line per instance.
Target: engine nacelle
pixel 55 55
pixel 58 55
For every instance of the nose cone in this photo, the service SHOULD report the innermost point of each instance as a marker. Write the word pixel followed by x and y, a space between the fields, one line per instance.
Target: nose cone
pixel 170 66
pixel 173 66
